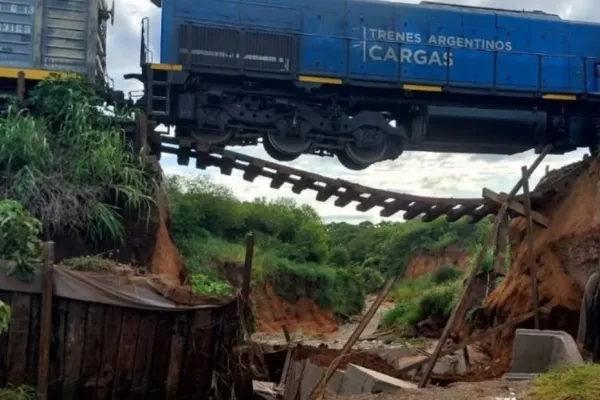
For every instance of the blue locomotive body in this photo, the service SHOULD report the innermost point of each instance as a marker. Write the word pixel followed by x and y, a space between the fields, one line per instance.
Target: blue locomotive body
pixel 429 43
pixel 506 81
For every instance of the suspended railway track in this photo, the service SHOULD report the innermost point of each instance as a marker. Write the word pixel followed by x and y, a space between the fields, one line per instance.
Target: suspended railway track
pixel 344 192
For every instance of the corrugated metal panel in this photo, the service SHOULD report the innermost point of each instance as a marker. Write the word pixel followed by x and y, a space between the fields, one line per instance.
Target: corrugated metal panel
pixel 65 35
pixel 17 21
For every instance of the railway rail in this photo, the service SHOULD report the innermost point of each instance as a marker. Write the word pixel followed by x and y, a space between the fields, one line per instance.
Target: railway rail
pixel 344 192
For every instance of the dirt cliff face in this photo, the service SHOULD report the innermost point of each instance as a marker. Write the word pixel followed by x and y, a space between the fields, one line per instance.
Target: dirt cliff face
pixel 566 254
pixel 305 316
pixel 425 262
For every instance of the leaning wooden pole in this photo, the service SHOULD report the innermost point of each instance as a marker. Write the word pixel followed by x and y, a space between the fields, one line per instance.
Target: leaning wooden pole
pixel 319 389
pixel 46 322
pixel 531 250
pixel 488 241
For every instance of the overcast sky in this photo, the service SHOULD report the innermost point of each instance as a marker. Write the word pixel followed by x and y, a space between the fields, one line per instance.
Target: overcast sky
pixel 430 174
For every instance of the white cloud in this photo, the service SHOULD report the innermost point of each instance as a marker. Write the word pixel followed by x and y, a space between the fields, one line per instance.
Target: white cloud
pixel 429 174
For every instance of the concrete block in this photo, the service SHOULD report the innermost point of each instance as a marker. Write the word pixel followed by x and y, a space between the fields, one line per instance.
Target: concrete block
pixel 311 376
pixel 358 380
pixel 536 351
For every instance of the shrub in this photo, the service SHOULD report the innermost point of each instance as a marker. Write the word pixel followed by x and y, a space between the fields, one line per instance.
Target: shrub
pixel 445 274
pixel 204 284
pixel 19 243
pixel 420 299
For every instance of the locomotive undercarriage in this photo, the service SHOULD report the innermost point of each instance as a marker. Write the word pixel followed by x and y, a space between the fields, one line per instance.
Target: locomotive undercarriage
pixel 359 126
pixel 288 126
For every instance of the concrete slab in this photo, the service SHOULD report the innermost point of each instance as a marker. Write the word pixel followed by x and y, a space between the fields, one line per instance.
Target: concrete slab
pixel 359 380
pixel 537 351
pixel 311 376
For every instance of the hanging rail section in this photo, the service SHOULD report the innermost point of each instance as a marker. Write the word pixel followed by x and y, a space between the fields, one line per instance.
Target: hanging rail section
pixel 345 192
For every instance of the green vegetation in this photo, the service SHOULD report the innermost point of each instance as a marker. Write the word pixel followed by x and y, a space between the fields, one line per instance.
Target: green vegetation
pixel 581 382
pixel 19 243
pixel 335 264
pixel 429 296
pixel 67 162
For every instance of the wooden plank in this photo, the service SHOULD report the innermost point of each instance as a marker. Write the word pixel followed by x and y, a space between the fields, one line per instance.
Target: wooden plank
pixel 45 332
pixel 292 385
pixel 196 374
pixel 515 206
pixel 57 349
pixel 126 354
pixel 178 339
pixel 113 317
pixel 6 299
pixel 92 350
pixel 17 339
pixel 143 355
pixel 160 357
pixel 531 249
pixel 500 247
pixel 33 345
pixel 73 349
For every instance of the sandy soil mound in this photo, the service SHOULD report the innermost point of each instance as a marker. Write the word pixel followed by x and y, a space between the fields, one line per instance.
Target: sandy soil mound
pixel 423 262
pixel 566 255
pixel 302 316
pixel 323 357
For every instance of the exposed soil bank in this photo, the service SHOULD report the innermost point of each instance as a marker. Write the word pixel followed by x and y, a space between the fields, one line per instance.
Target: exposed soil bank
pixel 304 316
pixel 426 262
pixel 566 254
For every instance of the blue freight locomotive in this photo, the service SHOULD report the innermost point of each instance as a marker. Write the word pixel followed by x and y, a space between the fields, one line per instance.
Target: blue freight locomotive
pixel 365 80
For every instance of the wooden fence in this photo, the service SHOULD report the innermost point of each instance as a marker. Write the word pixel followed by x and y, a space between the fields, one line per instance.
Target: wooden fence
pixel 101 351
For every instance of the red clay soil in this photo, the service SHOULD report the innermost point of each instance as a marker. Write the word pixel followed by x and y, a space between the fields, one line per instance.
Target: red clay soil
pixel 323 357
pixel 423 262
pixel 166 260
pixel 566 255
pixel 272 312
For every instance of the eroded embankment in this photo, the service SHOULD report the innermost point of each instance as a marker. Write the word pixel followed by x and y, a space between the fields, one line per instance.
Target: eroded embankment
pixel 303 316
pixel 566 253
pixel 427 262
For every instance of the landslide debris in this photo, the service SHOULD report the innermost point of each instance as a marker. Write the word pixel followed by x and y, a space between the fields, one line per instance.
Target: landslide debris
pixel 566 254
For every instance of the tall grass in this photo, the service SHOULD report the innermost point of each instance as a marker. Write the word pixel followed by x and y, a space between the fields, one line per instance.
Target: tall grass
pixel 69 164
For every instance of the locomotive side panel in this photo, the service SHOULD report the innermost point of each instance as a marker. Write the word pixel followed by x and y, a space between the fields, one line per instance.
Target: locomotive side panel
pixel 450 46
pixel 327 77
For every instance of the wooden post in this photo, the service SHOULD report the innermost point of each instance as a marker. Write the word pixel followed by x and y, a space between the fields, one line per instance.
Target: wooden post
pixel 318 391
pixel 45 322
pixel 21 88
pixel 501 244
pixel 248 267
pixel 531 250
pixel 469 282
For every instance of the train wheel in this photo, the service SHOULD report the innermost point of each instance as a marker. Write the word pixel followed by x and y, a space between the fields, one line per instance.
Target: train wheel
pixel 350 163
pixel 285 148
pixel 366 156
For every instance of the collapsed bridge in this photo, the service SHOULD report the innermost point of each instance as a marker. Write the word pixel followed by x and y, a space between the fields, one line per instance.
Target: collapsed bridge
pixel 346 192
